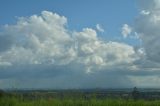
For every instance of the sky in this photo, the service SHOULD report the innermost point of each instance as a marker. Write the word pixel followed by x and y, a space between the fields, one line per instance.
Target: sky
pixel 79 44
pixel 80 14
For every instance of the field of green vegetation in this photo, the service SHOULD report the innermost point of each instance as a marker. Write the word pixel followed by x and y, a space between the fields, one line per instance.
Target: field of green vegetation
pixel 13 101
pixel 73 98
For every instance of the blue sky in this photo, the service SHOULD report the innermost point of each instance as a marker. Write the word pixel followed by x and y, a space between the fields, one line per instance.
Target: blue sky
pixel 110 14
pixel 79 44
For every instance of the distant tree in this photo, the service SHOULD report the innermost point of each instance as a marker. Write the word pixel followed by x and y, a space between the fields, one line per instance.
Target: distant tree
pixel 135 93
pixel 1 93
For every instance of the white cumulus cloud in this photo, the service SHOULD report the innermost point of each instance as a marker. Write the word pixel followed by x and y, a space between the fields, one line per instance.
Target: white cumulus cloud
pixel 41 48
pixel 99 28
pixel 126 30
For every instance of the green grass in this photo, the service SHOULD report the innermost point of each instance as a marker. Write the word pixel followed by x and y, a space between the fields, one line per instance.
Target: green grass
pixel 14 101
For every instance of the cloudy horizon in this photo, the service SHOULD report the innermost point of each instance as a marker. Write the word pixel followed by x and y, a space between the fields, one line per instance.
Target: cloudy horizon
pixel 44 50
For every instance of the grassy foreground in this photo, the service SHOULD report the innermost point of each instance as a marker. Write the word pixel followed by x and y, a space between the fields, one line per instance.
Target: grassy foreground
pixel 12 101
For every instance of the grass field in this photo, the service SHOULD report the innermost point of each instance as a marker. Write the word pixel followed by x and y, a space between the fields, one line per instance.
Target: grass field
pixel 14 101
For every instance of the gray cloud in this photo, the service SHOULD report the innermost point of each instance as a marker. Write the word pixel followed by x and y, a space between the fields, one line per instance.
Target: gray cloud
pixel 5 42
pixel 148 28
pixel 61 77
